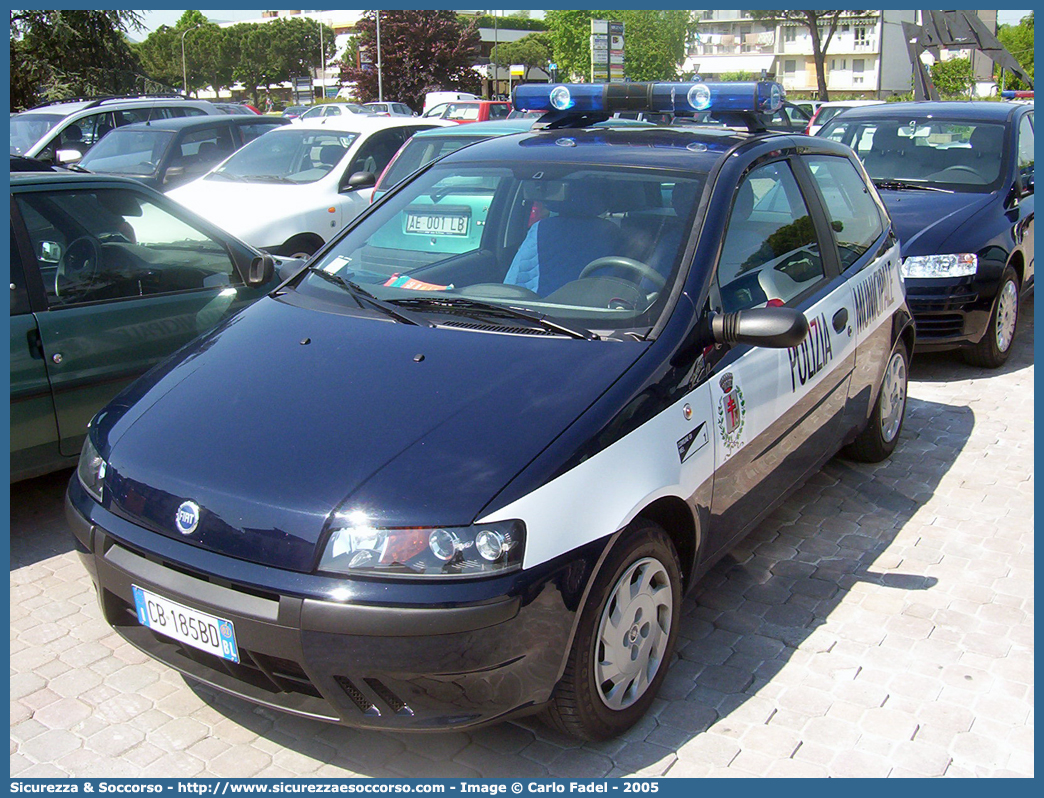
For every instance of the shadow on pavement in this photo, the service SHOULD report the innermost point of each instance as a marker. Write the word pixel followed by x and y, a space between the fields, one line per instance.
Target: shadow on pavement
pixel 38 528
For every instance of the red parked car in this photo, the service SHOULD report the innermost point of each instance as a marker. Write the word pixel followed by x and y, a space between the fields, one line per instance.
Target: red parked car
pixel 463 111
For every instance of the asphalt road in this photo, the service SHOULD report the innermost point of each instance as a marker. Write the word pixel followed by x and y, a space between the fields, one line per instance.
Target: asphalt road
pixel 879 623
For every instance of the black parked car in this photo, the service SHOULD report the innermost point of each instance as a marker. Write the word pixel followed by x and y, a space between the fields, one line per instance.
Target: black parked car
pixel 957 178
pixel 169 152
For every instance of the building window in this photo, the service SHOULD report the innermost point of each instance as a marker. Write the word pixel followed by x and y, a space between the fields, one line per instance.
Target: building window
pixel 860 35
pixel 857 70
pixel 789 34
pixel 789 67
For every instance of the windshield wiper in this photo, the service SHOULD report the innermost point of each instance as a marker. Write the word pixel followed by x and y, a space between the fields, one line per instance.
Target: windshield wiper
pixel 463 304
pixel 361 295
pixel 900 185
pixel 266 178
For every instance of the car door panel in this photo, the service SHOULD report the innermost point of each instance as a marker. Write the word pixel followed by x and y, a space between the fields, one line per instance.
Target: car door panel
pixel 777 412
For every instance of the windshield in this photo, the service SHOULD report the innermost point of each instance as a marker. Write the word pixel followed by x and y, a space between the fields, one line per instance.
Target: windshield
pixel 419 151
pixel 128 152
pixel 581 245
pixel 287 156
pixel 27 129
pixel 954 155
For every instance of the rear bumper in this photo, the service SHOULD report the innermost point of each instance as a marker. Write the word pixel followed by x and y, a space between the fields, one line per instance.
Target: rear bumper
pixel 454 664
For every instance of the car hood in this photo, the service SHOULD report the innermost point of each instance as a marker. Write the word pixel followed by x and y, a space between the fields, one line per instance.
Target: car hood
pixel 244 209
pixel 923 220
pixel 284 415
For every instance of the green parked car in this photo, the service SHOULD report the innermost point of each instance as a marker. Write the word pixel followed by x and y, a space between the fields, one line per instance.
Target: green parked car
pixel 108 277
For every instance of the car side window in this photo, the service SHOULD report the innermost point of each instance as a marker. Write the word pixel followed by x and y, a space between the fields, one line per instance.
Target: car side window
pixel 771 254
pixel 498 111
pixel 854 216
pixel 197 152
pixel 376 151
pixel 438 111
pixel 103 244
pixel 251 132
pixel 80 135
pixel 1026 146
pixel 19 294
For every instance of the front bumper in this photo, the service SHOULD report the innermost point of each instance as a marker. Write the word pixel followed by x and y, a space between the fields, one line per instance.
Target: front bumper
pixel 950 312
pixel 468 659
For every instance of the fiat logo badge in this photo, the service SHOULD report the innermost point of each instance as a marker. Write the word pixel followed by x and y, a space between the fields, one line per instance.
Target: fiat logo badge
pixel 187 518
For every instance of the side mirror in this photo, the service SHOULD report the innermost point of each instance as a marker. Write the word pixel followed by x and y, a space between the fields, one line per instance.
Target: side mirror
pixel 260 271
pixel 359 180
pixel 66 157
pixel 777 328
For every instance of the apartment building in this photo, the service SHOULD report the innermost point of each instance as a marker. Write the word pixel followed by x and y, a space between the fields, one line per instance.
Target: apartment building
pixel 866 57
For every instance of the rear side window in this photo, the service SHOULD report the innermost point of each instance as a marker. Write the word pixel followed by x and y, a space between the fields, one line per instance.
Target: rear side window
pixel 854 216
pixel 498 111
pixel 771 254
pixel 251 132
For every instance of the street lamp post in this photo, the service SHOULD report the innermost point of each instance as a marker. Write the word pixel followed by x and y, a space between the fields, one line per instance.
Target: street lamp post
pixel 184 70
pixel 380 82
pixel 322 55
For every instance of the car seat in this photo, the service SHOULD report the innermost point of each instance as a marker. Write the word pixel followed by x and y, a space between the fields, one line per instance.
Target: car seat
pixel 556 249
pixel 330 155
pixel 886 153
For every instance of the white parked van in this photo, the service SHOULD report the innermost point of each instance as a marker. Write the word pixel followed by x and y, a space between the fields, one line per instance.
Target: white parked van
pixel 433 98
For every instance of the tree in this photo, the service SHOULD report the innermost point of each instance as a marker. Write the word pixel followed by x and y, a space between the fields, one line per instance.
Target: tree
pixel 56 54
pixel 821 26
pixel 255 63
pixel 953 78
pixel 421 51
pixel 654 41
pixel 531 51
pixel 1018 40
pixel 296 46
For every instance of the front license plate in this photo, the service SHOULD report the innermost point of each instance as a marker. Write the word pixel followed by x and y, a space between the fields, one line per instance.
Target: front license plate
pixel 437 224
pixel 192 627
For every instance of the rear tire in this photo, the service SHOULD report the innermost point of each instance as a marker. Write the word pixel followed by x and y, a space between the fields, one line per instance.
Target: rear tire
pixel 993 350
pixel 881 434
pixel 624 640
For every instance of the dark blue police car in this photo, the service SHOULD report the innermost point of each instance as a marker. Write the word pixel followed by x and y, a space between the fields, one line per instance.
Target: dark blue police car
pixel 957 178
pixel 422 488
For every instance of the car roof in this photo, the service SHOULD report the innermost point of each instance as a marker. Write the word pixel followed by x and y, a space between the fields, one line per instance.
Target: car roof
pixel 969 109
pixel 64 176
pixel 498 127
pixel 182 122
pixel 655 146
pixel 71 107
pixel 360 123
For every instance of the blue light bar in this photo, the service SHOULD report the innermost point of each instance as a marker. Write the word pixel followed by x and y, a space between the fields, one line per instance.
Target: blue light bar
pixel 584 98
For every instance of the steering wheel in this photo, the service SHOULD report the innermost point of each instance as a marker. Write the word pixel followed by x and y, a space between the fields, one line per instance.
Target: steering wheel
pixel 636 266
pixel 78 268
pixel 959 168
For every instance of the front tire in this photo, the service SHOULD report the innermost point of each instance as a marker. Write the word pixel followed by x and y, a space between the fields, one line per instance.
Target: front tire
pixel 993 350
pixel 879 438
pixel 301 246
pixel 625 638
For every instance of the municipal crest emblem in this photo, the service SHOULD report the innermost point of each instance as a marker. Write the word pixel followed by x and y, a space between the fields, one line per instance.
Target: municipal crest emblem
pixel 731 413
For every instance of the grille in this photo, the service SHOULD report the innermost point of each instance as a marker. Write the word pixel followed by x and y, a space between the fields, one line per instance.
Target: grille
pixel 366 706
pixel 939 325
pixel 954 297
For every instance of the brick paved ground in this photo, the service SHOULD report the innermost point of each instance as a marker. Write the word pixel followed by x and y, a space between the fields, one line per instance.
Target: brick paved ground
pixel 880 623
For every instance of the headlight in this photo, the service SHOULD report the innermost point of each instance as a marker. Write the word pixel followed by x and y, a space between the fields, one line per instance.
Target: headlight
pixel 91 470
pixel 477 550
pixel 961 265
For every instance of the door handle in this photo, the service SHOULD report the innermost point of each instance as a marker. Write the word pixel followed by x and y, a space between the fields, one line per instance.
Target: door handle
pixel 840 319
pixel 35 347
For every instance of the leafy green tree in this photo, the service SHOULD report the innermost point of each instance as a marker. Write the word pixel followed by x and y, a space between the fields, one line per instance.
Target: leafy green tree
pixel 255 63
pixel 1018 39
pixel 654 41
pixel 531 51
pixel 421 51
pixel 56 54
pixel 737 76
pixel 821 26
pixel 953 78
pixel 296 46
